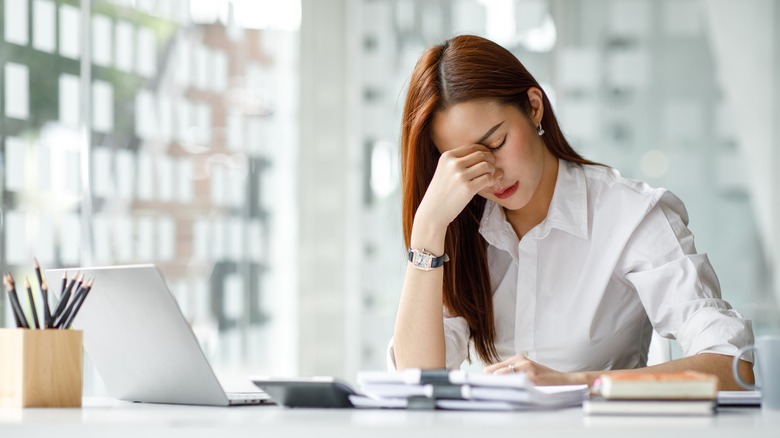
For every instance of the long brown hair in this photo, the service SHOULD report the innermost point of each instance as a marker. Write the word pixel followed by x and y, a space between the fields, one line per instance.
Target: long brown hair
pixel 465 68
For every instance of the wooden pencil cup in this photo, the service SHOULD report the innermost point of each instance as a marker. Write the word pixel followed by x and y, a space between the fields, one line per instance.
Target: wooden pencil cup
pixel 40 368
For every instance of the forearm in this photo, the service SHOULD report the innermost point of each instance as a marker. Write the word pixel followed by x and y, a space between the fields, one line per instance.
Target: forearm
pixel 716 364
pixel 418 337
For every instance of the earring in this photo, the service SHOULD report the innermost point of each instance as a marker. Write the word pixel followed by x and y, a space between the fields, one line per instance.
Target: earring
pixel 540 131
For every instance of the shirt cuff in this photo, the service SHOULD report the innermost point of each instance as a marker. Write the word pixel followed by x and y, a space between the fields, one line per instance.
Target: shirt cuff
pixel 716 330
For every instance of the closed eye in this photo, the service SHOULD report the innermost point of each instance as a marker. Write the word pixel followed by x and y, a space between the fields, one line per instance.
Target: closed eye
pixel 495 148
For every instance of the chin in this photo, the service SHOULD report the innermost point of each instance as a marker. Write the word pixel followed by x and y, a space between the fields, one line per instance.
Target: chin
pixel 513 203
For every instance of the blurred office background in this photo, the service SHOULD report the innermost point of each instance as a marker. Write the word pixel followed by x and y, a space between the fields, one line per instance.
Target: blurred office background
pixel 249 148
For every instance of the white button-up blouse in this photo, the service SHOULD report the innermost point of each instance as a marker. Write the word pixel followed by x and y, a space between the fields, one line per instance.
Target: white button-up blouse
pixel 584 289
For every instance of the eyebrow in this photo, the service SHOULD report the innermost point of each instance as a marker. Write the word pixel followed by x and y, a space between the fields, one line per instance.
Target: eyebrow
pixel 489 133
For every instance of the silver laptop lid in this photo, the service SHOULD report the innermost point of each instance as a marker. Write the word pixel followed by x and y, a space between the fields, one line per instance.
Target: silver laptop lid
pixel 139 341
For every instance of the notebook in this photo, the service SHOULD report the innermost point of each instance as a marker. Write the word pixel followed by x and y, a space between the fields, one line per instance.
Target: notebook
pixel 141 344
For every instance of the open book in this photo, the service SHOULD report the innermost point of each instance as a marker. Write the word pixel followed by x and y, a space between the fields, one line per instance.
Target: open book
pixel 444 389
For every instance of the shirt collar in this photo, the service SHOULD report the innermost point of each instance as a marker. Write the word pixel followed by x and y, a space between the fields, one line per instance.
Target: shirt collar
pixel 569 206
pixel 568 210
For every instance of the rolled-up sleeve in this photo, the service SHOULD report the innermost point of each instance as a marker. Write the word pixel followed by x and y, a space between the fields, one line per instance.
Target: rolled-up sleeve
pixel 678 287
pixel 456 340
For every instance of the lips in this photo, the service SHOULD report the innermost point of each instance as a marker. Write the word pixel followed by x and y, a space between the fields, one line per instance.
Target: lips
pixel 507 192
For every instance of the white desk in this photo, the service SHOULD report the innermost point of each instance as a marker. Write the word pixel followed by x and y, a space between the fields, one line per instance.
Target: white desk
pixel 109 418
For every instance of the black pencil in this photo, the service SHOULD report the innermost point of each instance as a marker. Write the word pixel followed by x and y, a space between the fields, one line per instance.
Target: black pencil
pixel 66 313
pixel 38 273
pixel 11 301
pixel 64 299
pixel 64 282
pixel 83 297
pixel 15 302
pixel 44 295
pixel 32 303
pixel 46 310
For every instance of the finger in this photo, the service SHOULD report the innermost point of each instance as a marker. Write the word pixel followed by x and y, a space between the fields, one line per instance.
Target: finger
pixel 466 149
pixel 455 164
pixel 474 158
pixel 477 170
pixel 496 366
pixel 516 361
pixel 484 181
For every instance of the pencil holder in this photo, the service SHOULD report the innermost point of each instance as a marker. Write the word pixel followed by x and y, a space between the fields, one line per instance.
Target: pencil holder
pixel 40 368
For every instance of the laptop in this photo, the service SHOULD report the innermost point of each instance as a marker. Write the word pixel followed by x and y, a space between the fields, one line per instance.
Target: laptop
pixel 141 344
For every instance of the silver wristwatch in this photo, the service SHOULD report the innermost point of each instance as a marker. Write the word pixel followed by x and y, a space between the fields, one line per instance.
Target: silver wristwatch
pixel 425 260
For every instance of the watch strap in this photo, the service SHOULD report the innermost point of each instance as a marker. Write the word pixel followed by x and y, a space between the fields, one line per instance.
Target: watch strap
pixel 420 257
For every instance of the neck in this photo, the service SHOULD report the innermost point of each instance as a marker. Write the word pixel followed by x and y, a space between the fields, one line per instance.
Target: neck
pixel 535 211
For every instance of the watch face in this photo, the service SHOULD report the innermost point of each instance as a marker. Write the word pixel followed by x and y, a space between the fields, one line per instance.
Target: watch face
pixel 422 260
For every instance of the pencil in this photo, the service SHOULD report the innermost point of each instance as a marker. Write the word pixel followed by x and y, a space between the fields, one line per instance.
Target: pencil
pixel 15 302
pixel 38 273
pixel 32 302
pixel 83 297
pixel 46 310
pixel 10 300
pixel 66 313
pixel 64 298
pixel 64 282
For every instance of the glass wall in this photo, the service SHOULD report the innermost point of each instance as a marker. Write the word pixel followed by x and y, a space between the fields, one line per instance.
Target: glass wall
pixel 159 132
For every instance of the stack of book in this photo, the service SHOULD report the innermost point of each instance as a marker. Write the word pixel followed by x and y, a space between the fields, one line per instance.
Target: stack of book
pixel 669 393
pixel 442 389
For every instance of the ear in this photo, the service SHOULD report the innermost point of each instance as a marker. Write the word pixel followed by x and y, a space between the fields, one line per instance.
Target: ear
pixel 536 103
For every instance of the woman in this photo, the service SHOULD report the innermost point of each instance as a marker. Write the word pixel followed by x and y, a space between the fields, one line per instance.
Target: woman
pixel 537 259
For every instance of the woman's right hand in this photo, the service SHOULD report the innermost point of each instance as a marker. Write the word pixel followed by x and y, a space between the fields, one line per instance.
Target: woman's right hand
pixel 460 174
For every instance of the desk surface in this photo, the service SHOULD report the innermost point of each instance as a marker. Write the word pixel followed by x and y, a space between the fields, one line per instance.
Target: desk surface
pixel 106 417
